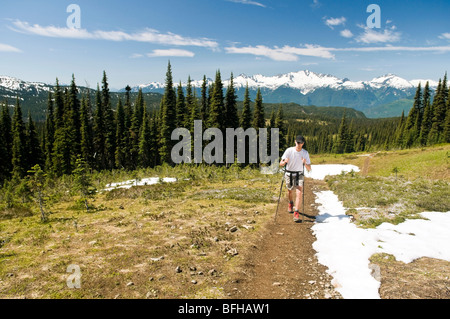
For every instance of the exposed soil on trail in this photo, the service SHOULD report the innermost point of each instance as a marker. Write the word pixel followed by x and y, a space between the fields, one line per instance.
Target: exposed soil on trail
pixel 283 264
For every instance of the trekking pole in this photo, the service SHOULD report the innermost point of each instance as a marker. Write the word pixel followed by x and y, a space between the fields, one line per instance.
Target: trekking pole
pixel 303 194
pixel 279 196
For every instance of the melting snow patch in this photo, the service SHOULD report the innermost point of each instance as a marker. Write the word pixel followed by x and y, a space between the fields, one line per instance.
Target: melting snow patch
pixel 345 249
pixel 141 182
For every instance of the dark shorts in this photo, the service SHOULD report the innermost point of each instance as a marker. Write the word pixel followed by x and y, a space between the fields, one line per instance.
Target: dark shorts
pixel 293 181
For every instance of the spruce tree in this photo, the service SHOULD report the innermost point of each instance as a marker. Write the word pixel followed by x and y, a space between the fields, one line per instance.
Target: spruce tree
pixel 49 132
pixel 121 140
pixel 217 107
pixel 74 125
pixel 427 116
pixel 204 106
pixel 231 113
pixel 99 132
pixel 414 120
pixel 279 123
pixel 33 148
pixel 145 147
pixel 181 108
pixel 246 116
pixel 86 130
pixel 439 112
pixel 19 156
pixel 109 124
pixel 168 118
pixel 6 142
pixel 258 115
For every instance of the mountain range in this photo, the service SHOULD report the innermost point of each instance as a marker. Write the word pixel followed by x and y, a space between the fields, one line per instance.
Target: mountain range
pixel 384 96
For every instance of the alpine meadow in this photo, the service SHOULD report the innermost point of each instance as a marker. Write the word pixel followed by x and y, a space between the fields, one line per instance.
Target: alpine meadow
pixel 228 150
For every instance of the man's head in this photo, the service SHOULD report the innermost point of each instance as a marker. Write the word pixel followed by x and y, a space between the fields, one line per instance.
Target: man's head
pixel 299 140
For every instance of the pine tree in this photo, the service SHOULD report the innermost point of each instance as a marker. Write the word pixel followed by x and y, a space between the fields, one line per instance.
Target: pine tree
pixel 258 115
pixel 439 112
pixel 246 116
pixel 82 181
pixel 447 121
pixel 168 118
pixel 217 106
pixel 279 123
pixel 181 108
pixel 231 114
pixel 120 136
pixel 414 120
pixel 99 132
pixel 74 124
pixel 49 132
pixel 191 103
pixel 145 147
pixel 204 106
pixel 33 148
pixel 427 116
pixel 343 137
pixel 19 155
pixel 399 135
pixel 5 143
pixel 109 124
pixel 87 136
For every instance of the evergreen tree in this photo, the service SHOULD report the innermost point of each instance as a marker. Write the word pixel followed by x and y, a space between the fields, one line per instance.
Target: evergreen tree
pixel 83 182
pixel 204 109
pixel 99 132
pixel 447 121
pixel 343 137
pixel 231 114
pixel 399 135
pixel 35 182
pixel 427 116
pixel 191 102
pixel 109 124
pixel 19 155
pixel 121 136
pixel 128 108
pixel 145 147
pixel 33 148
pixel 168 118
pixel 436 134
pixel 258 115
pixel 246 116
pixel 5 143
pixel 87 136
pixel 217 107
pixel 49 132
pixel 413 122
pixel 182 115
pixel 74 124
pixel 279 123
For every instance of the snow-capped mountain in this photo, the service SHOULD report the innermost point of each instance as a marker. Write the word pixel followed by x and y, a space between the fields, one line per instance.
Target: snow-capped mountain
pixel 310 88
pixel 306 82
pixel 13 84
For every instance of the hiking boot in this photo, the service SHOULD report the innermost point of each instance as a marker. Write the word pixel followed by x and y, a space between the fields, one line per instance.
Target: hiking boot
pixel 297 217
pixel 291 208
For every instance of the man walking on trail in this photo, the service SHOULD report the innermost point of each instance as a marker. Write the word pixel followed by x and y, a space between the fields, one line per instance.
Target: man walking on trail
pixel 295 159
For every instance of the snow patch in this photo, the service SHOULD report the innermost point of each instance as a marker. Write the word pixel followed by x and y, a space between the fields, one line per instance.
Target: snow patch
pixel 141 182
pixel 345 249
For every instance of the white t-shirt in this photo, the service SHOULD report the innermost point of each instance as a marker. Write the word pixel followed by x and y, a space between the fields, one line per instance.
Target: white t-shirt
pixel 295 159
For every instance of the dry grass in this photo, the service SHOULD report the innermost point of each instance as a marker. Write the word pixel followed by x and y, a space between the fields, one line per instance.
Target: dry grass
pixel 132 244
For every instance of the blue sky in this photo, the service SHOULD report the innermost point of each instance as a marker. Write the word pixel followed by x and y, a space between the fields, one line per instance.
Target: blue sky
pixel 133 40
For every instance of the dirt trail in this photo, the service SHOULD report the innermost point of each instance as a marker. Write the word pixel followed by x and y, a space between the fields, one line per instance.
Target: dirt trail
pixel 283 265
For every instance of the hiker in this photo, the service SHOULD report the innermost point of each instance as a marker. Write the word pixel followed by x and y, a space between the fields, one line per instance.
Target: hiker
pixel 295 158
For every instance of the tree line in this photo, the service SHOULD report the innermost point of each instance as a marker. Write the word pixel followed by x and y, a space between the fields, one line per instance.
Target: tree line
pixel 126 137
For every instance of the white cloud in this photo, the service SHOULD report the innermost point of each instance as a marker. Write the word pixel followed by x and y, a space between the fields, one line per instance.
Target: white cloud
pixel 346 33
pixel 373 36
pixel 445 36
pixel 254 3
pixel 334 22
pixel 387 48
pixel 171 52
pixel 147 35
pixel 8 48
pixel 286 53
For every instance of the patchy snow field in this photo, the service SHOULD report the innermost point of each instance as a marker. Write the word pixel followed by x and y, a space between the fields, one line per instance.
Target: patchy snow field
pixel 345 249
pixel 140 182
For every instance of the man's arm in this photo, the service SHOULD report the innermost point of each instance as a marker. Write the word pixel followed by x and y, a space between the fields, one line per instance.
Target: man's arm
pixel 284 162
